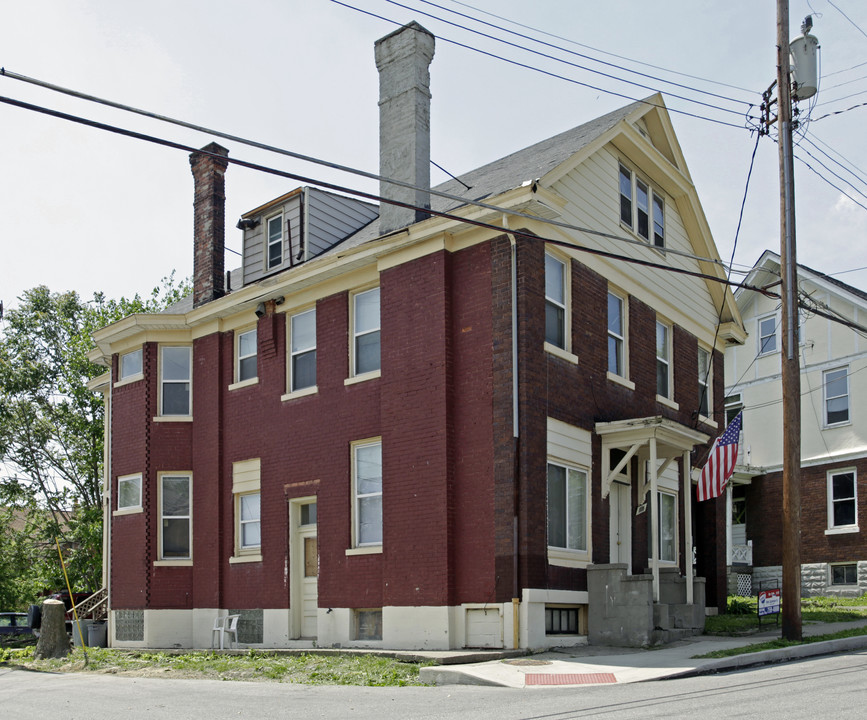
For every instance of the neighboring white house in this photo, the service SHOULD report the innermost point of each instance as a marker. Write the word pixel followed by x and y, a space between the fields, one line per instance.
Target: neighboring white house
pixel 833 435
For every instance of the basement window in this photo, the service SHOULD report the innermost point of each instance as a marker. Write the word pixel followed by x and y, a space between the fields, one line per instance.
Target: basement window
pixel 562 620
pixel 844 574
pixel 368 624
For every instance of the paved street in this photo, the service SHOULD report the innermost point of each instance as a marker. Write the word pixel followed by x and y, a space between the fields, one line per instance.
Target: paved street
pixel 819 688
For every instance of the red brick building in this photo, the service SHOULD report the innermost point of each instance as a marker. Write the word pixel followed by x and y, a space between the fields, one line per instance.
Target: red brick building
pixel 406 430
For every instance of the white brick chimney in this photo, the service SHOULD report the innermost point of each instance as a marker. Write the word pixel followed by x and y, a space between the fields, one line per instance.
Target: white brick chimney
pixel 403 58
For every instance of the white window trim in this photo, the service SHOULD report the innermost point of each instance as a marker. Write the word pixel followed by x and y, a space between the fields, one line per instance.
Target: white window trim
pixel 135 377
pixel 829 488
pixel 708 384
pixel 353 375
pixel 173 561
pixel 246 480
pixel 129 509
pixel 267 240
pixel 652 192
pixel 290 355
pixel 570 557
pixel 357 547
pixel 848 420
pixel 669 331
pixel 162 417
pixel 241 549
pixel 565 264
pixel 760 351
pixel 624 344
pixel 237 356
pixel 676 495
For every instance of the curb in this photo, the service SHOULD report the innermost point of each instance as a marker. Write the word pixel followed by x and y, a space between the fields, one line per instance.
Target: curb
pixel 779 655
pixel 438 675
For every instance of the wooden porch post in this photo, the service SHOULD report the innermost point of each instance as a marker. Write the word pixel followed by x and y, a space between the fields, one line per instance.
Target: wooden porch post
pixel 687 520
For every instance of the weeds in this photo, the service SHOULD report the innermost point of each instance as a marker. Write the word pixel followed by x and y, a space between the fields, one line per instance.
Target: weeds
pixel 257 665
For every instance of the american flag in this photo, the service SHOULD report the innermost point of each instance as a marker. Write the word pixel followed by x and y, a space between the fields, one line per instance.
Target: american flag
pixel 720 463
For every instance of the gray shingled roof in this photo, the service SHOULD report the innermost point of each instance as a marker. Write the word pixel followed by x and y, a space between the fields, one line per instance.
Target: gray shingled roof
pixel 509 172
pixel 493 179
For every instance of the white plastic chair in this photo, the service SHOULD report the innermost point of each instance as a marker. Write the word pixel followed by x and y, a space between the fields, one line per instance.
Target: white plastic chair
pixel 218 630
pixel 231 629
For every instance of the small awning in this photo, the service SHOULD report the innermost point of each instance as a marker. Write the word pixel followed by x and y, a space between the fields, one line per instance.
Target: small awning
pixel 653 440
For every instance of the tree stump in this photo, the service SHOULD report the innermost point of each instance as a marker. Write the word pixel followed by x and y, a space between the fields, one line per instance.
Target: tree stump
pixel 53 640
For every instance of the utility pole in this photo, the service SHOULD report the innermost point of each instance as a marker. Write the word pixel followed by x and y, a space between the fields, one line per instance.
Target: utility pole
pixel 791 372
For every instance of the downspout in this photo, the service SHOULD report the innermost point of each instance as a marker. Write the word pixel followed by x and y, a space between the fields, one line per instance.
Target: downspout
pixel 106 536
pixel 513 247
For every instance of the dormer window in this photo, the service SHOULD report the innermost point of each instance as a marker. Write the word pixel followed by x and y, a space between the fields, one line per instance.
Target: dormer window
pixel 274 251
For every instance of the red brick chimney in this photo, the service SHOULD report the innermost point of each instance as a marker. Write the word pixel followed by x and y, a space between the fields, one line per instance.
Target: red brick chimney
pixel 209 227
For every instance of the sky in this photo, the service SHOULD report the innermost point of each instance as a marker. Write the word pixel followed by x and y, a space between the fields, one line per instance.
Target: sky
pixel 86 210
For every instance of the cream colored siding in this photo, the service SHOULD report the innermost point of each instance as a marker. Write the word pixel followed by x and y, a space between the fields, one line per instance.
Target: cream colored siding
pixel 827 345
pixel 592 193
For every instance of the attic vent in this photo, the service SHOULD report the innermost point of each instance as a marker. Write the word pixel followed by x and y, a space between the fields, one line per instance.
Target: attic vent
pixel 642 128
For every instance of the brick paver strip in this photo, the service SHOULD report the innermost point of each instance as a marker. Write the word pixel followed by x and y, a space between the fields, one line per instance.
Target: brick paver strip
pixel 568 678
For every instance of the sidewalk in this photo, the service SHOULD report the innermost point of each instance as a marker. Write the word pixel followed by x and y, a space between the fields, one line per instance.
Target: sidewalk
pixel 597 665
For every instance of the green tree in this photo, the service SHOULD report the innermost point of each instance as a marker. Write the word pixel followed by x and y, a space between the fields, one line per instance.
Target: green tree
pixel 51 436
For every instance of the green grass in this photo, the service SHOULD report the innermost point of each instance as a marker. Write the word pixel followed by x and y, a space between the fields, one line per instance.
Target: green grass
pixel 742 619
pixel 307 668
pixel 780 643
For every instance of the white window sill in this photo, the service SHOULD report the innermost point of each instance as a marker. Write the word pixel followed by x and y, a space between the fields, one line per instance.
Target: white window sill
pixel 668 402
pixel 244 383
pixel 372 375
pixel 836 425
pixel 366 550
pixel 304 392
pixel 244 559
pixel 127 511
pixel 708 421
pixel 130 379
pixel 173 418
pixel 845 530
pixel 568 558
pixel 561 353
pixel 621 380
pixel 173 563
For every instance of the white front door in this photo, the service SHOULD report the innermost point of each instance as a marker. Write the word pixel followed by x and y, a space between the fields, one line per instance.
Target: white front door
pixel 304 601
pixel 620 523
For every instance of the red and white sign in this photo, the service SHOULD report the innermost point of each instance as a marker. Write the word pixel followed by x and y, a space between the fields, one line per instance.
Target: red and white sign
pixel 769 602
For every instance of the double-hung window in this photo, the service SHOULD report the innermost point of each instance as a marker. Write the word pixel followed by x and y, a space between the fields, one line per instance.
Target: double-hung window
pixel 366 332
pixel 131 364
pixel 842 500
pixel 245 368
pixel 367 489
pixel 616 334
pixel 567 507
pixel 663 360
pixel 249 522
pixel 768 335
pixel 555 302
pixel 705 384
pixel 129 492
pixel 642 208
pixel 274 241
pixel 836 396
pixel 302 356
pixel 175 380
pixel 625 196
pixel 175 517
pixel 247 495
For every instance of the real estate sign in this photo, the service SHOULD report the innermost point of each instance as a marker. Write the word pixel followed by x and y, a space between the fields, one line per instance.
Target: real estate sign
pixel 769 602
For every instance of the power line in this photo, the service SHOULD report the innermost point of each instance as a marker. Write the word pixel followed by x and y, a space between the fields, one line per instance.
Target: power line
pixel 855 175
pixel 839 112
pixel 371 196
pixel 566 62
pixel 604 52
pixel 548 73
pixel 816 138
pixel 336 166
pixel 572 52
pixel 854 67
pixel 848 18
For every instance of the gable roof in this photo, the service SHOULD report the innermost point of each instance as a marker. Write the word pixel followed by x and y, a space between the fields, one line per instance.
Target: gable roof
pixel 511 171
